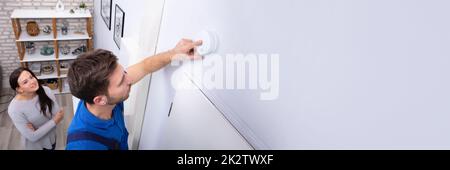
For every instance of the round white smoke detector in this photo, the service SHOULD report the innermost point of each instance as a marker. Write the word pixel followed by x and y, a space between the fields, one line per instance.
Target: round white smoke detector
pixel 210 42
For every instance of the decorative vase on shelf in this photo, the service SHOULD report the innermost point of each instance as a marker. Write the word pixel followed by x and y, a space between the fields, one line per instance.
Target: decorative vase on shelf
pixel 65 28
pixel 59 6
pixel 30 48
pixel 65 50
pixel 47 29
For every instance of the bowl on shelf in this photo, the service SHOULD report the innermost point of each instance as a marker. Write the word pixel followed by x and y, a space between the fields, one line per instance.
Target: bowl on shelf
pixel 32 28
pixel 47 69
pixel 47 51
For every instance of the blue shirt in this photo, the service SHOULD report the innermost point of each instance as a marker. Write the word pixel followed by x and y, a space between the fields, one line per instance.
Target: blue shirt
pixel 86 121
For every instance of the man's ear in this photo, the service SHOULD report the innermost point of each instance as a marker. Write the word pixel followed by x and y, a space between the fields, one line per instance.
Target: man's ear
pixel 100 100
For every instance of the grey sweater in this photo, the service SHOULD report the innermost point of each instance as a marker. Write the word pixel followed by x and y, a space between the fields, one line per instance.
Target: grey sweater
pixel 29 111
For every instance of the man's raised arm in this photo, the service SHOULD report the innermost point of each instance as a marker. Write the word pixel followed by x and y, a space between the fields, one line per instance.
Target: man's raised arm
pixel 153 63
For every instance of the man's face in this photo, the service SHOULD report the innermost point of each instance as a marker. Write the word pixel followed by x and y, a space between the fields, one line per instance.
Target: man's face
pixel 119 86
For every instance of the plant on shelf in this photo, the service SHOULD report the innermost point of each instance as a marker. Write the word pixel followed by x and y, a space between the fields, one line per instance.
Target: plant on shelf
pixel 82 7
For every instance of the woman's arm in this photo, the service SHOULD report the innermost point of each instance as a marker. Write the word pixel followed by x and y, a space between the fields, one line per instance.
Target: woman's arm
pixel 19 120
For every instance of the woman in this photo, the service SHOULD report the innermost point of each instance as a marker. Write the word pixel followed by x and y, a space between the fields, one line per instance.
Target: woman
pixel 34 111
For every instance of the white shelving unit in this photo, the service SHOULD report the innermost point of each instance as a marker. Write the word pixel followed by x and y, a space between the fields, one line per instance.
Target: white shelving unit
pixel 72 36
pixel 67 57
pixel 53 75
pixel 36 57
pixel 49 37
pixel 56 36
pixel 27 38
pixel 46 13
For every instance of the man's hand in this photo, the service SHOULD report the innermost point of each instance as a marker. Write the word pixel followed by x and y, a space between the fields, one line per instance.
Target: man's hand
pixel 186 47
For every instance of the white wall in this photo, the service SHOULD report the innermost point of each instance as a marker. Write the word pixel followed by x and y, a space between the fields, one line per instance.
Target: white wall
pixel 354 74
pixel 195 123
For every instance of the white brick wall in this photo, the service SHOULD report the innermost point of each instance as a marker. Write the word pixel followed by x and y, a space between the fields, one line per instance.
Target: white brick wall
pixel 9 59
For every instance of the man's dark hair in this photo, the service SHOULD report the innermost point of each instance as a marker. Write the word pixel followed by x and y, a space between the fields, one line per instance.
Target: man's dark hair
pixel 89 74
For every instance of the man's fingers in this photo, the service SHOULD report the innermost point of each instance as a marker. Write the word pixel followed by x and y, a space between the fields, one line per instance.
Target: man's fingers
pixel 187 40
pixel 193 45
pixel 198 43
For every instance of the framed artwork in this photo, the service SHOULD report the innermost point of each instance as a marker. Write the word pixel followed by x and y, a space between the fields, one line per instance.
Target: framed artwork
pixel 105 11
pixel 119 22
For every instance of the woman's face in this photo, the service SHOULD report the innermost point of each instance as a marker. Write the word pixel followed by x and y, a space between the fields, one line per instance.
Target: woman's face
pixel 27 83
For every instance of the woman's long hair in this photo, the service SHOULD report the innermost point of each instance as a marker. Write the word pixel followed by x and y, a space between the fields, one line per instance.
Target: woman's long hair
pixel 44 101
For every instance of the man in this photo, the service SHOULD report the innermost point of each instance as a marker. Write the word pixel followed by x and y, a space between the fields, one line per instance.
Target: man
pixel 102 85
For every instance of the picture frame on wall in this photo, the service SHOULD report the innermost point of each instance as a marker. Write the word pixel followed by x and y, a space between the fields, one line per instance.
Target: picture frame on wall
pixel 119 22
pixel 106 11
